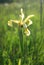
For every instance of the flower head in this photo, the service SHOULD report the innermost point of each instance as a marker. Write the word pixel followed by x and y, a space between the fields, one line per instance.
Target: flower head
pixel 23 22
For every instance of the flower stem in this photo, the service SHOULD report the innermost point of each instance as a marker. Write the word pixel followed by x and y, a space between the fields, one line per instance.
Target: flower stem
pixel 21 43
pixel 21 40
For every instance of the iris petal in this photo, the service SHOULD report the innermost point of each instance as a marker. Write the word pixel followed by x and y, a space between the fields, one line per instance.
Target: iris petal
pixel 22 14
pixel 28 17
pixel 15 21
pixel 10 23
pixel 27 32
pixel 29 22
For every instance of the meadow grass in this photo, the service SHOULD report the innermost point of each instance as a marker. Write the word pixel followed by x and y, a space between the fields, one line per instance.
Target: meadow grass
pixel 10 49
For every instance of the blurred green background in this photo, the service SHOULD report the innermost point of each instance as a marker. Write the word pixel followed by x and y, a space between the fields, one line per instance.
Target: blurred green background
pixel 9 39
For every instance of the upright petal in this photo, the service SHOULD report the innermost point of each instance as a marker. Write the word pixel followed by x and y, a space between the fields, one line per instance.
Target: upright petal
pixel 22 14
pixel 28 18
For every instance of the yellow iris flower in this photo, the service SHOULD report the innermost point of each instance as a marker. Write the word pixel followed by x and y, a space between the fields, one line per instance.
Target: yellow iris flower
pixel 23 22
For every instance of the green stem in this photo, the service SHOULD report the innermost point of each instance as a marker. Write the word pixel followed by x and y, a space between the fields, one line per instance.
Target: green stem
pixel 21 43
pixel 21 39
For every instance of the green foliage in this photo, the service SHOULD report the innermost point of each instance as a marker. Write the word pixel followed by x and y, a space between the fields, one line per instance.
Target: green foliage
pixel 10 50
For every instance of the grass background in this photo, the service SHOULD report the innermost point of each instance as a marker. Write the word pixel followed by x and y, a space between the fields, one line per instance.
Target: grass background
pixel 10 51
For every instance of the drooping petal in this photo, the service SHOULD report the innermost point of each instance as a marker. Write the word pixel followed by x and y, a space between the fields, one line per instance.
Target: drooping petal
pixel 29 22
pixel 20 23
pixel 27 32
pixel 15 21
pixel 28 18
pixel 10 23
